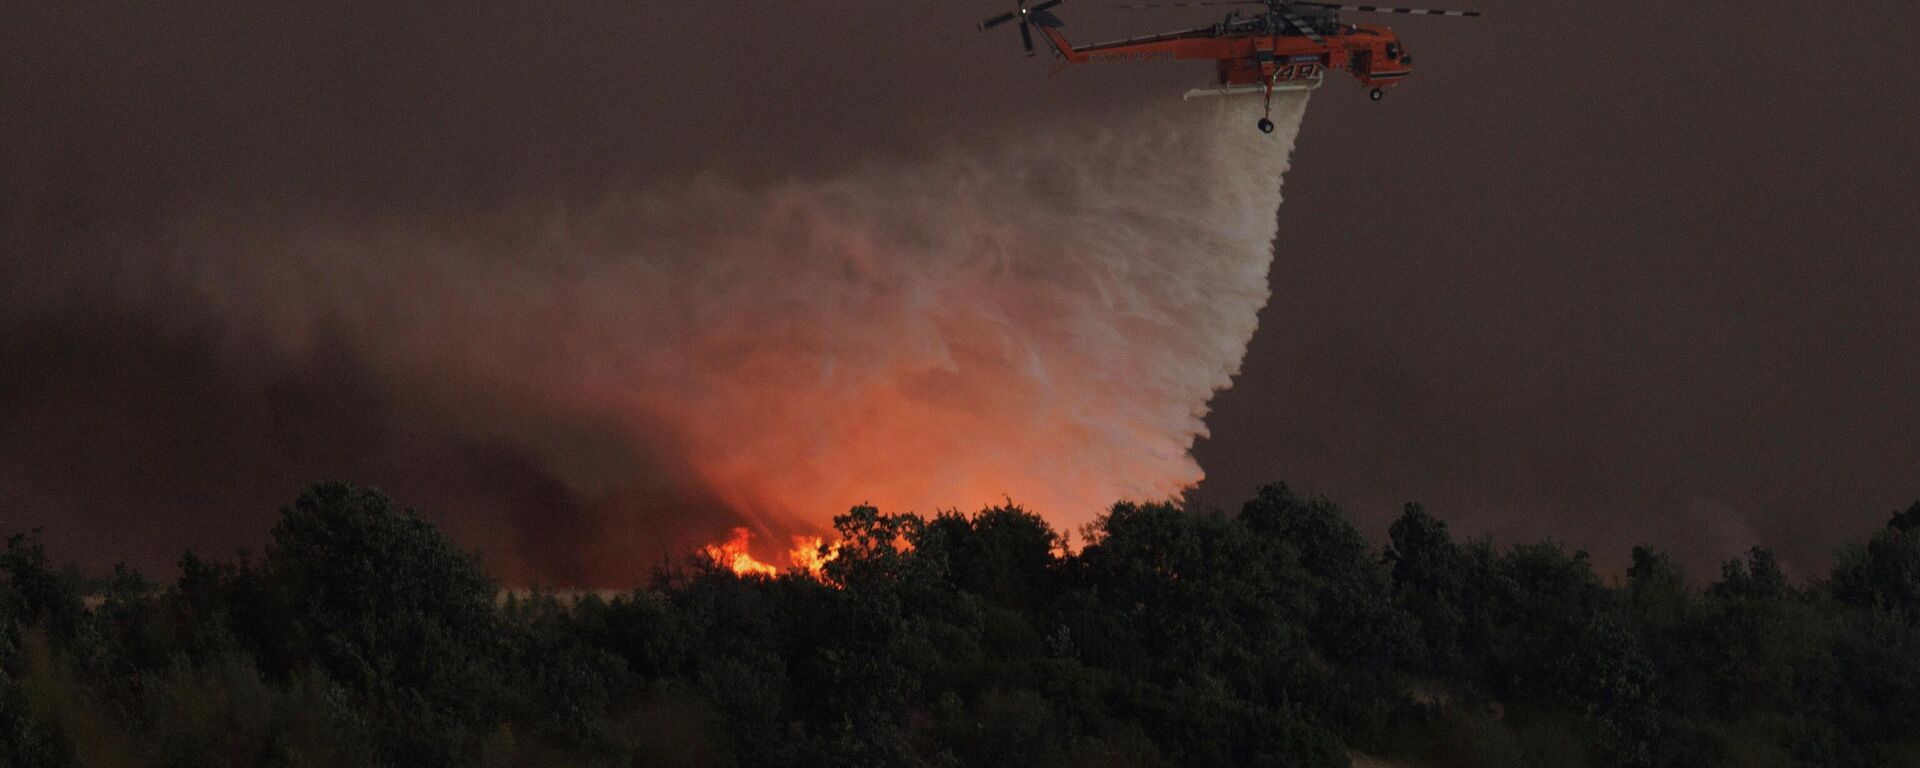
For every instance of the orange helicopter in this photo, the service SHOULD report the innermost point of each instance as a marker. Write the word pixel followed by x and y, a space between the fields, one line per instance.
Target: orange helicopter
pixel 1289 45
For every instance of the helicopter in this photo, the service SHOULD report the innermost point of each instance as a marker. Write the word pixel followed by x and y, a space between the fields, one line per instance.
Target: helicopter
pixel 1284 45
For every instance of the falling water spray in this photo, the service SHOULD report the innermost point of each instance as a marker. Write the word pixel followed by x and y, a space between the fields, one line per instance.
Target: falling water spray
pixel 1043 319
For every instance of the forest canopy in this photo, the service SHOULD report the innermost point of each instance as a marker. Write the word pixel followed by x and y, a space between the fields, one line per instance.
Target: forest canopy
pixel 1275 636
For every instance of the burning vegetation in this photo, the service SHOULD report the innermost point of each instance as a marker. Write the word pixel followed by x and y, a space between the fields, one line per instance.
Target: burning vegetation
pixel 809 555
pixel 732 555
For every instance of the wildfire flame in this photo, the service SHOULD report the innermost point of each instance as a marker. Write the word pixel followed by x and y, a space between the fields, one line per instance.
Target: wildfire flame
pixel 810 555
pixel 732 554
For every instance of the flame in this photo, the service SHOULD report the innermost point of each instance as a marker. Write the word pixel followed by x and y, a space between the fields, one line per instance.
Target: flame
pixel 732 554
pixel 811 554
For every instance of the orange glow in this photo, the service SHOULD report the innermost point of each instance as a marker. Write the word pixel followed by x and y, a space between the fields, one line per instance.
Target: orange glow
pixel 732 554
pixel 943 337
pixel 809 555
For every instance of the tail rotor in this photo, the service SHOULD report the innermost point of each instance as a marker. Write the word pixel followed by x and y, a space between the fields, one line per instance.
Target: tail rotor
pixel 1027 17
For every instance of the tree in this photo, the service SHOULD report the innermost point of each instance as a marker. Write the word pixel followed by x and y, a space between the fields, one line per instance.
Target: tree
pixel 1354 621
pixel 35 594
pixel 1759 578
pixel 873 547
pixel 1006 555
pixel 1885 572
pixel 1906 521
pixel 1656 588
pixel 1432 578
pixel 1757 646
pixel 33 598
pixel 1206 626
pixel 1275 637
pixel 391 609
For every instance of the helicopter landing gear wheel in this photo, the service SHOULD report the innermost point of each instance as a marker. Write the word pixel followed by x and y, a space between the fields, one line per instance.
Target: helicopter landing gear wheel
pixel 1266 109
pixel 1377 94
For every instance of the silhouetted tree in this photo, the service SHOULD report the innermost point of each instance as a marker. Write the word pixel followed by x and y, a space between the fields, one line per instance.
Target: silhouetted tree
pixel 1445 591
pixel 1885 572
pixel 1354 620
pixel 391 609
pixel 1277 637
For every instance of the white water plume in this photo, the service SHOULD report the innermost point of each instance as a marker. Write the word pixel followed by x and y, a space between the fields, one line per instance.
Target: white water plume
pixel 1044 320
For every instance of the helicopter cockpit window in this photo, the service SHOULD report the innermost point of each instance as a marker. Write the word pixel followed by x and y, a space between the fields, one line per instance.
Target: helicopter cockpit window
pixel 1393 51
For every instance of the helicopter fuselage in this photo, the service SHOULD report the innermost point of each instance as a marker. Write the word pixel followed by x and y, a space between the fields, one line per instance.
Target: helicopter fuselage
pixel 1290 45
pixel 1249 55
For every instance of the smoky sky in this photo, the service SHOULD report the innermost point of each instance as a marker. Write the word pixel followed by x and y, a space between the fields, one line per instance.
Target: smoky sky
pixel 1609 274
pixel 1604 273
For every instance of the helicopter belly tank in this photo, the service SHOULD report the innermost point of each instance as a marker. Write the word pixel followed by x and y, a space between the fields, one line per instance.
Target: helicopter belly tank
pixel 1255 89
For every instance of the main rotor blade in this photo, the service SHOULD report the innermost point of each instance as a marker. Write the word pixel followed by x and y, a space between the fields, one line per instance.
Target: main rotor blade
pixel 1303 28
pixel 1044 6
pixel 1386 9
pixel 999 20
pixel 1026 37
pixel 1194 4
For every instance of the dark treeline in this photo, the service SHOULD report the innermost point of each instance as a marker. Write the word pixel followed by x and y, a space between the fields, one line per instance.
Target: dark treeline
pixel 1275 637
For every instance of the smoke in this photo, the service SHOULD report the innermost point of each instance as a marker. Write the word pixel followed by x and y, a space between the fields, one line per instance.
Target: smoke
pixel 1044 319
pixel 587 297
